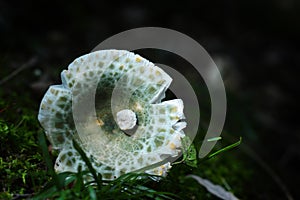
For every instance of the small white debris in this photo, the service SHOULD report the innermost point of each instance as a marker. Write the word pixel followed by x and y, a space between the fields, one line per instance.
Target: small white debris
pixel 126 119
pixel 214 139
pixel 216 190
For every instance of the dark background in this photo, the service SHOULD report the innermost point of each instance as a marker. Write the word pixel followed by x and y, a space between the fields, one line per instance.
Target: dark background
pixel 255 43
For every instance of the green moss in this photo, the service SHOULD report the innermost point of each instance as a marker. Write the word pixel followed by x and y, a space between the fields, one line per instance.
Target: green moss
pixel 22 168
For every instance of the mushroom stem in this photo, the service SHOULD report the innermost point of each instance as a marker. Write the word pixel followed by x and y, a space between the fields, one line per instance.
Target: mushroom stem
pixel 126 119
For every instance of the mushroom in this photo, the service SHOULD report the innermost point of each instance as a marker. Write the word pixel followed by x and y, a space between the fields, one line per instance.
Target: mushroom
pixel 109 102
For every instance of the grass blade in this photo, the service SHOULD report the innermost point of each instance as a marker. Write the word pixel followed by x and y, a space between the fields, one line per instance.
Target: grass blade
pixel 88 163
pixel 226 148
pixel 47 158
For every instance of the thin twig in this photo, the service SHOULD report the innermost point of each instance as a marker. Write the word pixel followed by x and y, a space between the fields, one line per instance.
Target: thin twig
pixel 28 64
pixel 21 196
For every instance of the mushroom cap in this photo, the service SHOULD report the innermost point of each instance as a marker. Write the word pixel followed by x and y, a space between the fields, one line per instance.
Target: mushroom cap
pixel 102 94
